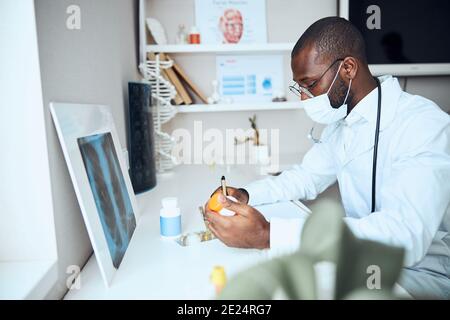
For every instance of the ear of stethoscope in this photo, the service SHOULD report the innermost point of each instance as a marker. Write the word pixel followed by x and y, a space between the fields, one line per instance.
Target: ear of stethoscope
pixel 375 147
pixel 311 137
pixel 317 140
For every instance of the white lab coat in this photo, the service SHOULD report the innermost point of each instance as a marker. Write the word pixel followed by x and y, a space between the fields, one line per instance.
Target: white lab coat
pixel 412 186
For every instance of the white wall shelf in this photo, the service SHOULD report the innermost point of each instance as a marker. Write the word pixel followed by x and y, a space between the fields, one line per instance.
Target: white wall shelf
pixel 186 51
pixel 222 48
pixel 289 105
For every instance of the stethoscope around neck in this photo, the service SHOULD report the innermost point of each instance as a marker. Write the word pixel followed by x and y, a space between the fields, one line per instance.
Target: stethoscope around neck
pixel 375 147
pixel 311 136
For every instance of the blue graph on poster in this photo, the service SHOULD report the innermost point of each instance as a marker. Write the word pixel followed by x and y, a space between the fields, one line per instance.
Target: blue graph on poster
pixel 249 78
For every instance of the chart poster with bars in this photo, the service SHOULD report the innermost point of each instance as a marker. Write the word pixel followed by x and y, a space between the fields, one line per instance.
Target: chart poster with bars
pixel 249 79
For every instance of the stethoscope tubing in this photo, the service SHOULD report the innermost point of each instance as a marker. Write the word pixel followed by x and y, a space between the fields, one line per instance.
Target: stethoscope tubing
pixel 375 146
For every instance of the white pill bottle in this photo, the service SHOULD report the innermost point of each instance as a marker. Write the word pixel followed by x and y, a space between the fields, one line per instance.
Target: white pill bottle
pixel 170 218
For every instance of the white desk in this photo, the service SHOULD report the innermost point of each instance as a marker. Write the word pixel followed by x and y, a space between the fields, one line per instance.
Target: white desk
pixel 160 269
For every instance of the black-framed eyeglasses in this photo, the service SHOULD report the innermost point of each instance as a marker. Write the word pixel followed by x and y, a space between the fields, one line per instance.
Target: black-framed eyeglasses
pixel 298 89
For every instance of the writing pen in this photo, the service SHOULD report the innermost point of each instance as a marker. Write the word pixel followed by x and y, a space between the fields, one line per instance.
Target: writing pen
pixel 224 186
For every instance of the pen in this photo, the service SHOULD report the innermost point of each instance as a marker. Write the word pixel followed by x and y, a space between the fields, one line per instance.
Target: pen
pixel 224 186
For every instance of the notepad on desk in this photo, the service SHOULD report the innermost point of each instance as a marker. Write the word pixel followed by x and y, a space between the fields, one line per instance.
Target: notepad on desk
pixel 285 209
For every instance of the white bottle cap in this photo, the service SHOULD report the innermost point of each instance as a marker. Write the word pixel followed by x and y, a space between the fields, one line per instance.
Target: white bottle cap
pixel 169 202
pixel 193 30
pixel 169 207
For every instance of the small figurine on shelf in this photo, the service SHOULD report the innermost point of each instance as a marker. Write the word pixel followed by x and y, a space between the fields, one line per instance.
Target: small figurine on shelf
pixel 215 97
pixel 181 35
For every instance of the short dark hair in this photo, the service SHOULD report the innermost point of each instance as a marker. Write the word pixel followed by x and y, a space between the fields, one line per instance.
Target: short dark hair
pixel 333 38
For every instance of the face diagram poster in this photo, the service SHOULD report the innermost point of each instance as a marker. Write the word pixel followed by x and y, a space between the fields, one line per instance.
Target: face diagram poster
pixel 231 21
pixel 249 78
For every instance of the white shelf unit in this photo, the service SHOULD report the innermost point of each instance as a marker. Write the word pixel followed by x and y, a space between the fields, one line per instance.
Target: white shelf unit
pixel 194 108
pixel 177 49
pixel 222 48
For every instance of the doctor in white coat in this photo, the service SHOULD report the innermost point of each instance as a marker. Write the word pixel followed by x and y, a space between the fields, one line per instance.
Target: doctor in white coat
pixel 390 157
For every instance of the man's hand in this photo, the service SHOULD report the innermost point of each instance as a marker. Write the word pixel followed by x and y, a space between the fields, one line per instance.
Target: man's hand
pixel 247 229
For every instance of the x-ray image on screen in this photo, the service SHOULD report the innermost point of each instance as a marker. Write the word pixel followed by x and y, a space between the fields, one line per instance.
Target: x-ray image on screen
pixel 110 193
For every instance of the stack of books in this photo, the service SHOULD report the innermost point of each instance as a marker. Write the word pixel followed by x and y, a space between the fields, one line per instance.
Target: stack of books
pixel 180 81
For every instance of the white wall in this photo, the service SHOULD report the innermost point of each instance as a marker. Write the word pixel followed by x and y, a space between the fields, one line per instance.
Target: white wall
pixel 90 65
pixel 434 88
pixel 26 209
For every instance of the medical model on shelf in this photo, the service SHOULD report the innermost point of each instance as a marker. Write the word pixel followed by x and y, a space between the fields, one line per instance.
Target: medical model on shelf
pixel 162 93
pixel 182 35
pixel 215 96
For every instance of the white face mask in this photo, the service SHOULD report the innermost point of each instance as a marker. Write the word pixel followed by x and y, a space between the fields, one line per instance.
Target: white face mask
pixel 319 108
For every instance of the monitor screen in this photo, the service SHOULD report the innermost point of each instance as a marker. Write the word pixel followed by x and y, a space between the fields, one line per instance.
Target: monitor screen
pixel 402 32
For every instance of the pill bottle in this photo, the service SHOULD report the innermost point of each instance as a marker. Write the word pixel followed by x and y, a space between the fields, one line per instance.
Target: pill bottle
pixel 194 35
pixel 170 218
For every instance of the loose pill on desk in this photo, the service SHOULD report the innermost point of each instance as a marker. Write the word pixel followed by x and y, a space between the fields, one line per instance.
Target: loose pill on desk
pixel 218 278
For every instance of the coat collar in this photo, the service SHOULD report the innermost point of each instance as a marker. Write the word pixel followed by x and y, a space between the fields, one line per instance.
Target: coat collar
pixel 364 114
pixel 366 109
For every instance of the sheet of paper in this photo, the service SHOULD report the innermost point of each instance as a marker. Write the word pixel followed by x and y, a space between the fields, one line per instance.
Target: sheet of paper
pixel 287 210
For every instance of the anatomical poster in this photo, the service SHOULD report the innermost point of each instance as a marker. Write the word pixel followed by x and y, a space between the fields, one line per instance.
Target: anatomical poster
pixel 231 21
